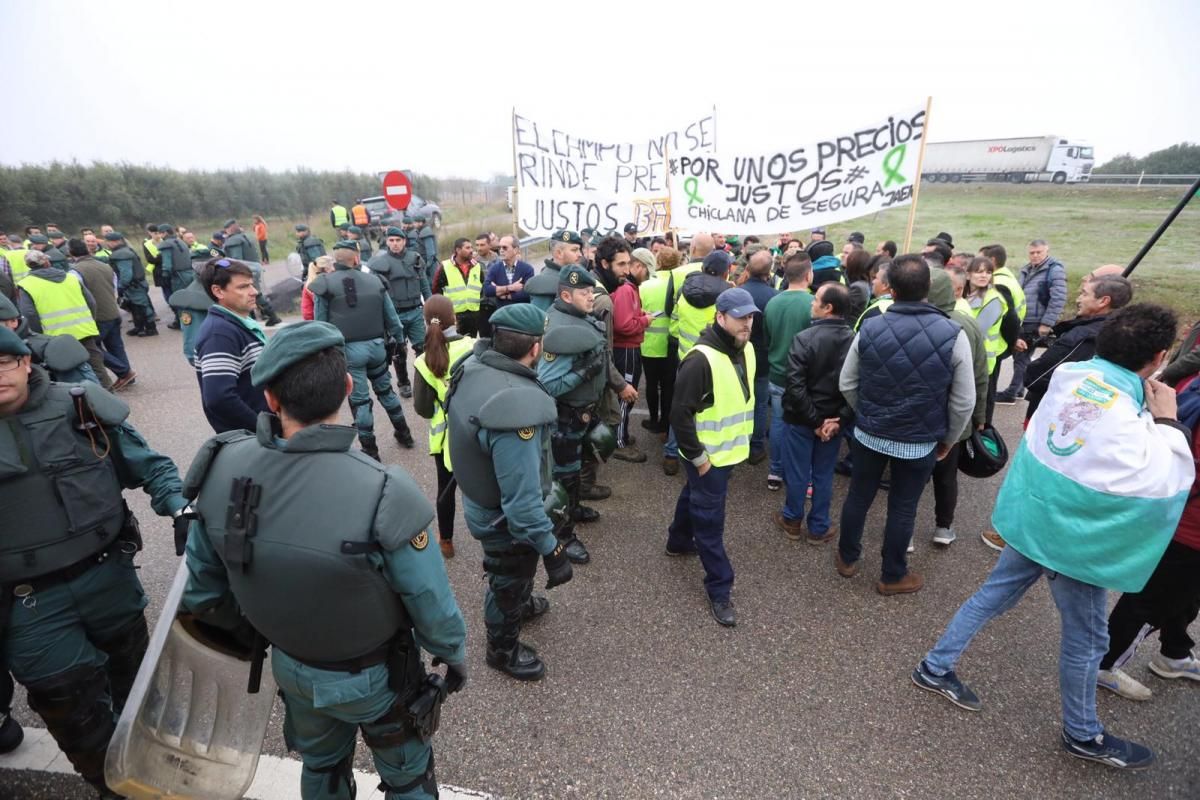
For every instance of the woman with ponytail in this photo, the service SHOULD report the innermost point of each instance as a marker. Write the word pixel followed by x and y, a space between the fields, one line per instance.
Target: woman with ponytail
pixel 444 347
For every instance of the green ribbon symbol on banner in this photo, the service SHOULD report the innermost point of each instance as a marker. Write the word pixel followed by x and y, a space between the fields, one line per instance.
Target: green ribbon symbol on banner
pixel 891 171
pixel 693 194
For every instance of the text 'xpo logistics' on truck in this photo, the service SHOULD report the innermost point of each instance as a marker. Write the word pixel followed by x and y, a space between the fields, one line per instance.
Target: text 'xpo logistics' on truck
pixel 1036 158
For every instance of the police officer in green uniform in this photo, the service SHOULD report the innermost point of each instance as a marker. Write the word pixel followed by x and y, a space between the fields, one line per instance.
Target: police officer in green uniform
pixel 238 246
pixel 357 303
pixel 572 368
pixel 41 243
pixel 192 303
pixel 427 239
pixel 408 286
pixel 176 264
pixel 72 606
pixel 62 356
pixel 364 244
pixel 57 251
pixel 308 246
pixel 131 285
pixel 347 593
pixel 564 251
pixel 500 421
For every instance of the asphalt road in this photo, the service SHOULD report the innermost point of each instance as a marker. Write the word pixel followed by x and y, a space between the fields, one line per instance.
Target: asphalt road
pixel 646 696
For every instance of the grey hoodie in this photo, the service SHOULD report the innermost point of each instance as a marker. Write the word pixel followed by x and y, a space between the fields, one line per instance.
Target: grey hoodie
pixel 941 294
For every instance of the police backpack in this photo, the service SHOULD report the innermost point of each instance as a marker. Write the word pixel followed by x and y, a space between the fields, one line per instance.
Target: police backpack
pixel 984 454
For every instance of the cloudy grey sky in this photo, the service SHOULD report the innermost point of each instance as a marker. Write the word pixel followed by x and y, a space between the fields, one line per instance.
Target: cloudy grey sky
pixel 376 86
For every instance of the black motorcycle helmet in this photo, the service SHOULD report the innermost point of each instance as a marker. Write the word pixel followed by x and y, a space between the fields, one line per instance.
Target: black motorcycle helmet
pixel 984 454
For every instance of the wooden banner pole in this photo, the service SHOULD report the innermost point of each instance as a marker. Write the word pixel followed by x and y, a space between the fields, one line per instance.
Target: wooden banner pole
pixel 912 210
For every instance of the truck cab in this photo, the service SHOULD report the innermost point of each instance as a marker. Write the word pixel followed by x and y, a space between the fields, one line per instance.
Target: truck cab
pixel 1070 162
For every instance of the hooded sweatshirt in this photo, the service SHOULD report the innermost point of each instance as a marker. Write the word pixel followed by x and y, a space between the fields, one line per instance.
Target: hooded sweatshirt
pixel 29 310
pixel 941 294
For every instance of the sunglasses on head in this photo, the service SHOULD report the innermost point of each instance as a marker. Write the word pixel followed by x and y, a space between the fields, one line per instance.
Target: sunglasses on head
pixel 224 263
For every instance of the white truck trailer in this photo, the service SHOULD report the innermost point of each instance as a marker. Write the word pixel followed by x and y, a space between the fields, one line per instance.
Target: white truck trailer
pixel 1025 160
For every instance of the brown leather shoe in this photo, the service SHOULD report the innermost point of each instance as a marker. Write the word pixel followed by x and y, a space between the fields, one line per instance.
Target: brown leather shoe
pixel 993 540
pixel 793 528
pixel 670 466
pixel 447 546
pixel 827 536
pixel 843 569
pixel 125 380
pixel 912 582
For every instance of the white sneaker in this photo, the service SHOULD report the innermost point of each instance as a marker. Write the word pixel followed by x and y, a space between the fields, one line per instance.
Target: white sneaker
pixel 1165 667
pixel 911 547
pixel 1118 682
pixel 943 536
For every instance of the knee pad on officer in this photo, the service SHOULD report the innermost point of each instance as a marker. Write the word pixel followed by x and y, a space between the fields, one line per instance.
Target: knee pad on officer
pixel 340 774
pixel 125 650
pixel 426 781
pixel 75 707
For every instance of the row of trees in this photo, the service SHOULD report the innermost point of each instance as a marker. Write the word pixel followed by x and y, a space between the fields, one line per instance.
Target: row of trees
pixel 129 195
pixel 1178 159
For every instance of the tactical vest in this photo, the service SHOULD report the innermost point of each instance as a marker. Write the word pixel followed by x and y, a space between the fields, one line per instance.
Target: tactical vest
pixel 724 429
pixel 340 217
pixel 364 249
pixel 463 294
pixel 241 248
pixel 543 287
pixel 59 502
pixel 16 263
pixel 124 255
pixel 403 279
pixel 437 423
pixel 61 307
pixel 300 573
pixel 654 298
pixel 474 386
pixel 1005 278
pixel 591 346
pixel 58 259
pixel 691 323
pixel 355 302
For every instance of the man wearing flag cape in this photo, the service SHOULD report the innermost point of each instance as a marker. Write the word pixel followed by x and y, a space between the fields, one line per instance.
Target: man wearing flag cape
pixel 1091 501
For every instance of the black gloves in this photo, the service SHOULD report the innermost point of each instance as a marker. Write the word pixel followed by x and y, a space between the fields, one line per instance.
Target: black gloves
pixel 456 674
pixel 182 523
pixel 558 568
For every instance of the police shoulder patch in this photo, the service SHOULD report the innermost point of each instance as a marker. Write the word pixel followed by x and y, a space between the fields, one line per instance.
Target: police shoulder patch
pixel 420 541
pixel 185 318
pixel 550 356
pixel 525 433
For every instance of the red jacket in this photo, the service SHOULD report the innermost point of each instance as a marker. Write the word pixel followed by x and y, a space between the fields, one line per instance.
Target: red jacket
pixel 1188 532
pixel 307 304
pixel 629 321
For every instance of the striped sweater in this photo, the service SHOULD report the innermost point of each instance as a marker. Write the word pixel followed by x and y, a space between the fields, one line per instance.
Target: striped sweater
pixel 225 352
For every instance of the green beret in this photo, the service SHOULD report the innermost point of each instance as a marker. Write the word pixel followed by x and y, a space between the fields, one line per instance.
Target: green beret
pixel 165 228
pixel 344 226
pixel 113 236
pixel 301 228
pixel 595 240
pixel 520 317
pixel 394 231
pixel 575 277
pixel 229 222
pixel 407 219
pixel 291 345
pixel 346 244
pixel 38 238
pixel 12 345
pixel 203 253
pixel 570 237
pixel 354 229
pixel 7 309
pixel 57 235
pixel 587 233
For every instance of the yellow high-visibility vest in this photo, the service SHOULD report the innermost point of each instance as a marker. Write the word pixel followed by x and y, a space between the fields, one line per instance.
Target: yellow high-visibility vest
pixel 654 298
pixel 464 295
pixel 437 423
pixel 691 322
pixel 993 342
pixel 724 429
pixel 678 276
pixel 61 307
pixel 16 263
pixel 1005 278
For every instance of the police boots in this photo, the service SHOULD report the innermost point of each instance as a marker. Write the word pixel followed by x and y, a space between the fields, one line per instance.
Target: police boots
pixel 516 659
pixel 403 435
pixel 369 448
pixel 400 362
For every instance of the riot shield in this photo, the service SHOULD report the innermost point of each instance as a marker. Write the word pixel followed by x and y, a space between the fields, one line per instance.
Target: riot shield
pixel 190 730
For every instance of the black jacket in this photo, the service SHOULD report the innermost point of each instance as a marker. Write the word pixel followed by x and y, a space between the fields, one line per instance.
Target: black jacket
pixel 694 388
pixel 814 366
pixel 1076 341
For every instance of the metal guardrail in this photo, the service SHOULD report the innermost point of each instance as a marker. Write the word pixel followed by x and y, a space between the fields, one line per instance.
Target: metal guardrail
pixel 1141 179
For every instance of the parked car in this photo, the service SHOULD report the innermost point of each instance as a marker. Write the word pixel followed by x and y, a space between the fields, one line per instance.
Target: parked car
pixel 382 215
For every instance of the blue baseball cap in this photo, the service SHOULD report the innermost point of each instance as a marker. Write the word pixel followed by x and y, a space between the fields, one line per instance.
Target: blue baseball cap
pixel 736 303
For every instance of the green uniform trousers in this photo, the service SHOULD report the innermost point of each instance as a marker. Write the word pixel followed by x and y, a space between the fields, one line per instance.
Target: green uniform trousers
pixel 368 367
pixel 325 708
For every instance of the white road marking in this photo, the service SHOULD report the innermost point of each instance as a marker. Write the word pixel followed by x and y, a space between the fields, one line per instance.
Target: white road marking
pixel 276 778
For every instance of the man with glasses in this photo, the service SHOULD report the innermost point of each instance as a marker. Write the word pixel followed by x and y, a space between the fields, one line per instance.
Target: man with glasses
pixel 229 343
pixel 506 277
pixel 74 627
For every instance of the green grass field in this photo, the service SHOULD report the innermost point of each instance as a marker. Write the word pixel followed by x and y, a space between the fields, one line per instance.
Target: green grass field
pixel 1086 226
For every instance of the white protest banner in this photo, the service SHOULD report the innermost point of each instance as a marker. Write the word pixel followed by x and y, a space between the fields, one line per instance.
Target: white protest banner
pixel 853 172
pixel 566 180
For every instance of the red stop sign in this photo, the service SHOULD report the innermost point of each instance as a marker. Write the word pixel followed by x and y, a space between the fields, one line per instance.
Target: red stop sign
pixel 397 190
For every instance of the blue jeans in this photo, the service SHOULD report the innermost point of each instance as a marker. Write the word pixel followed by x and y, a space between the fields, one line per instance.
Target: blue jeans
pixel 114 347
pixel 909 477
pixel 699 525
pixel 762 402
pixel 778 430
pixel 807 458
pixel 1084 641
pixel 671 448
